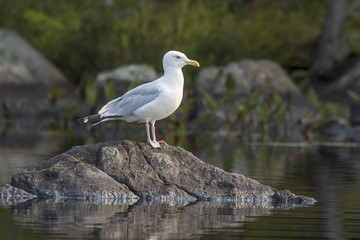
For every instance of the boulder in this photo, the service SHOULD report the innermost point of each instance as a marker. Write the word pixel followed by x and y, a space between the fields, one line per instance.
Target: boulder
pixel 128 170
pixel 30 85
pixel 21 63
pixel 248 76
pixel 253 96
pixel 67 177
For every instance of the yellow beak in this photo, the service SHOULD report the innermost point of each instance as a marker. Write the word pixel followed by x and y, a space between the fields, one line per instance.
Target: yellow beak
pixel 193 63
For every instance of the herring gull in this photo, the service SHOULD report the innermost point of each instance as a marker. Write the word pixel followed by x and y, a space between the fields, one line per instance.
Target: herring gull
pixel 151 101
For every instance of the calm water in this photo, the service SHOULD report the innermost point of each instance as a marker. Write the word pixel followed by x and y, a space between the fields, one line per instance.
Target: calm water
pixel 330 174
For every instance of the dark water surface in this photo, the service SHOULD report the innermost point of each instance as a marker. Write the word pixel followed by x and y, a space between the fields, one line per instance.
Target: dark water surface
pixel 329 173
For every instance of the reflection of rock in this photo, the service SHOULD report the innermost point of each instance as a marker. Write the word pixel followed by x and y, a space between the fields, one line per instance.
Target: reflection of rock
pixel 240 89
pixel 111 220
pixel 29 83
pixel 6 190
pixel 10 195
pixel 123 77
pixel 168 173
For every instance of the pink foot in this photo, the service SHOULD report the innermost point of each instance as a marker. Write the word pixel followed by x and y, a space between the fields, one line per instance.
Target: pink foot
pixel 162 141
pixel 154 144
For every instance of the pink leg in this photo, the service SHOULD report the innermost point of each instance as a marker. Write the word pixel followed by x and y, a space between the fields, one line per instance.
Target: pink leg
pixel 153 133
pixel 154 144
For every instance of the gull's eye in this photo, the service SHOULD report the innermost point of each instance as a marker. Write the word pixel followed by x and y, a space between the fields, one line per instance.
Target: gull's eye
pixel 177 57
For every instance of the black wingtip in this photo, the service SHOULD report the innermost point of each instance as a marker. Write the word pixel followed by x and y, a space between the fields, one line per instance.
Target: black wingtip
pixel 91 118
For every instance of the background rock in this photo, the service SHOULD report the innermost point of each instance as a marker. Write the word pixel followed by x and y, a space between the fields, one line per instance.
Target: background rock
pixel 336 130
pixel 248 75
pixel 30 85
pixel 251 96
pixel 21 63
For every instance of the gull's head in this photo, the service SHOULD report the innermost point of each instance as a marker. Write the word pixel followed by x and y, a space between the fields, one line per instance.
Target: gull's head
pixel 178 60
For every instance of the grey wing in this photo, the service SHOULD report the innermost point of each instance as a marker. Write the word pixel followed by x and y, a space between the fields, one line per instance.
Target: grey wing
pixel 131 100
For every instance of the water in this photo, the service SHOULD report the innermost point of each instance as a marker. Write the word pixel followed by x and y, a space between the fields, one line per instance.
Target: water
pixel 330 174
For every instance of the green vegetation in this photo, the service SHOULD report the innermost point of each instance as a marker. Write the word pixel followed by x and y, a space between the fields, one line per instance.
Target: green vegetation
pixel 86 37
pixel 109 90
pixel 327 110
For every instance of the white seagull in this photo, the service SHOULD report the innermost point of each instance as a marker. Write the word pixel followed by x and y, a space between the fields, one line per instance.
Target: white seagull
pixel 151 101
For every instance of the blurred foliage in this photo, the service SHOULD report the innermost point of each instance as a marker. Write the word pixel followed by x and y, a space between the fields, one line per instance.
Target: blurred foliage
pixel 353 95
pixel 55 94
pixel 85 37
pixel 352 27
pixel 109 90
pixel 327 110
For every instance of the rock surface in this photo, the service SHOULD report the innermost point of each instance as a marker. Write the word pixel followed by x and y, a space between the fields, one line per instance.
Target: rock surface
pixel 66 176
pixel 130 170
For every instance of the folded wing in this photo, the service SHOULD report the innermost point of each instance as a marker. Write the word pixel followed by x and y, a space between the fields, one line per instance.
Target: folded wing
pixel 131 101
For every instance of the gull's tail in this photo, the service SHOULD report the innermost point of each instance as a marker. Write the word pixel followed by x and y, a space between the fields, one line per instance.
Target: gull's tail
pixel 90 119
pixel 97 118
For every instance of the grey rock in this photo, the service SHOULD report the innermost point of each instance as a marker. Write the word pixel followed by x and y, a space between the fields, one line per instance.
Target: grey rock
pixel 103 170
pixel 127 73
pixel 336 130
pixel 239 89
pixel 248 75
pixel 21 63
pixel 66 177
pixel 30 85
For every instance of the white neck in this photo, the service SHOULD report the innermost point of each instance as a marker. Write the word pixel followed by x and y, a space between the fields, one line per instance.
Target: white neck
pixel 174 75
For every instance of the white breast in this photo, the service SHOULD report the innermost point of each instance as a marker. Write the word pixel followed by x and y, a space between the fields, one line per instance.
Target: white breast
pixel 163 106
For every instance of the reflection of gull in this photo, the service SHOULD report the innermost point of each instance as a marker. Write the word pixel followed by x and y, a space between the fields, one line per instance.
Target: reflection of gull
pixel 151 101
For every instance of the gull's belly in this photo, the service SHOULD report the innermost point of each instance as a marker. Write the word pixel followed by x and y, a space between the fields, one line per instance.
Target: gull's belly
pixel 160 108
